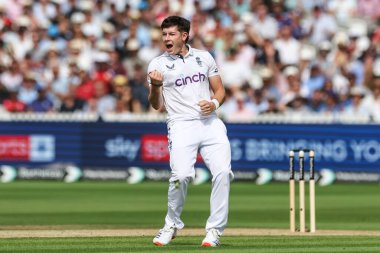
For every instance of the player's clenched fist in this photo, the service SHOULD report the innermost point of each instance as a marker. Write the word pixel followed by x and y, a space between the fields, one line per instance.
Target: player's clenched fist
pixel 156 78
pixel 207 107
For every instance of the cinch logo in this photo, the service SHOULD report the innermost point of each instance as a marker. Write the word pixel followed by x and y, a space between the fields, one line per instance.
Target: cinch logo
pixel 190 79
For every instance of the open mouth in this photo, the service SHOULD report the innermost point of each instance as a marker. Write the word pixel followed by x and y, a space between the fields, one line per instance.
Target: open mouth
pixel 169 46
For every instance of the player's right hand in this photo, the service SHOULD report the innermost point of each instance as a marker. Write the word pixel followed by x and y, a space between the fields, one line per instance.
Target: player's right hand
pixel 156 78
pixel 207 107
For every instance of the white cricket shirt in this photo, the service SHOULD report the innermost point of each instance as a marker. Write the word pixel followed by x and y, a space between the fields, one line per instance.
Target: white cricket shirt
pixel 185 82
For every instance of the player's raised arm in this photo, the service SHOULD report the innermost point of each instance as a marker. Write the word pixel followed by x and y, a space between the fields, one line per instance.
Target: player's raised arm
pixel 155 91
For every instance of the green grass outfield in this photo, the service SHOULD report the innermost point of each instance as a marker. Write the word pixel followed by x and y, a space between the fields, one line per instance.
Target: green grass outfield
pixel 117 205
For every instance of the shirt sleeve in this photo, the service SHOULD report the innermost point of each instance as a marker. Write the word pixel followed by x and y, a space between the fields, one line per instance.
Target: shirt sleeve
pixel 213 68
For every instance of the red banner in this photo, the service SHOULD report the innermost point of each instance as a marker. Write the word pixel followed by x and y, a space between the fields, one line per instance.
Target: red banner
pixel 154 148
pixel 14 147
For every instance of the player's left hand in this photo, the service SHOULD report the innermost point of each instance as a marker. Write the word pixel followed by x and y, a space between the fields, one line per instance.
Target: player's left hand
pixel 207 107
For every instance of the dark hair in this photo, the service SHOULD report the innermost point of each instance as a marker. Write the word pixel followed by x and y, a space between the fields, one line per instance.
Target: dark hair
pixel 182 24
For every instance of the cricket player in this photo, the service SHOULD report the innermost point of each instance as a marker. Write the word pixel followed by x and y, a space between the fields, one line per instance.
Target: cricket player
pixel 187 82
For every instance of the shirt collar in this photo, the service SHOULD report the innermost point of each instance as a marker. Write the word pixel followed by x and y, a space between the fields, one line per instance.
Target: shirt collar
pixel 189 53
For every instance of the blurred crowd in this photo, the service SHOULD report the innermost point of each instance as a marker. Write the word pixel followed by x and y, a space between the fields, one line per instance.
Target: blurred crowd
pixel 278 57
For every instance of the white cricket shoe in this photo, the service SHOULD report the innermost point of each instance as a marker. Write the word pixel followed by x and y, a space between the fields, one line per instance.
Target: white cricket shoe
pixel 164 236
pixel 211 239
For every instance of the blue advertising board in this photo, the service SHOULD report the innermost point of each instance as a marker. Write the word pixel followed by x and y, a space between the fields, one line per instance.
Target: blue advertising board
pixel 40 143
pixel 353 148
pixel 336 146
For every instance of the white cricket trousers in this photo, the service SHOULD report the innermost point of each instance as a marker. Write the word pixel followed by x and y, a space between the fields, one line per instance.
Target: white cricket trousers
pixel 209 136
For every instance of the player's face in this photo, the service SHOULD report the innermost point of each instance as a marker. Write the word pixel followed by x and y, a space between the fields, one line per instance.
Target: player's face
pixel 173 39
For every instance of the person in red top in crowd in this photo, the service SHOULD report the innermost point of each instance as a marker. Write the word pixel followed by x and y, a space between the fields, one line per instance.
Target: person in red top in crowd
pixel 85 89
pixel 12 104
pixel 102 72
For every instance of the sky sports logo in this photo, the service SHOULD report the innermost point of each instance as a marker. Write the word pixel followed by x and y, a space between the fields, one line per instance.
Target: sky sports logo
pixel 34 148
pixel 196 78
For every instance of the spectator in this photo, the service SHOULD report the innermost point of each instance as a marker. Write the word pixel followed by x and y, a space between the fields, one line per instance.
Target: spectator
pixel 42 103
pixel 102 102
pixel 28 91
pixel 369 8
pixel 126 102
pixel 233 73
pixel 315 81
pixel 317 101
pixel 70 103
pixel 147 53
pixel 288 47
pixel 356 107
pixel 12 77
pixel 13 104
pixel 331 105
pixel 242 112
pixel 258 103
pixel 263 24
pixel 240 6
pixel 140 89
pixel 273 107
pixel 267 54
pixel 343 10
pixel 324 58
pixel 119 84
pixel 4 93
pixel 320 26
pixel 132 47
pixel 20 41
pixel 85 90
pixel 291 74
pixel 372 102
pixel 297 107
pixel 269 85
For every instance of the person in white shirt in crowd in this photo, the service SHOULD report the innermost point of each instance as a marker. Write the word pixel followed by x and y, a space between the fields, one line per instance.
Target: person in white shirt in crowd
pixel 12 78
pixel 356 108
pixel 320 26
pixel 147 53
pixel 324 57
pixel 187 82
pixel 19 39
pixel 207 5
pixel 287 46
pixel 234 73
pixel 44 11
pixel 270 86
pixel 28 91
pixel 244 109
pixel 343 10
pixel 246 53
pixel 372 100
pixel 92 24
pixel 292 76
pixel 258 103
pixel 263 24
pixel 132 47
